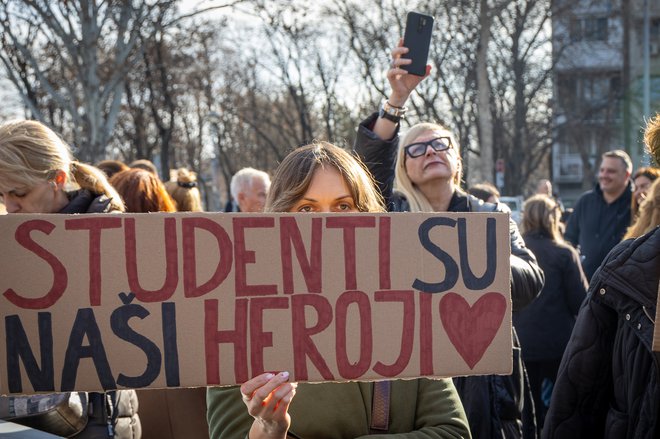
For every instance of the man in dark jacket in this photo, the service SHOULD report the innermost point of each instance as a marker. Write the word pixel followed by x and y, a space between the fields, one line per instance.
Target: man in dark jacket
pixel 600 216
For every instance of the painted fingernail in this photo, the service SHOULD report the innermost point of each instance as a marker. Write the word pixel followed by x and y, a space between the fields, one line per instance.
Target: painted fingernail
pixel 269 376
pixel 285 374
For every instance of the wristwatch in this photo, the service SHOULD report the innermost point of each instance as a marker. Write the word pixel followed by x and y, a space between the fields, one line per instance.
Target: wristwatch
pixel 392 113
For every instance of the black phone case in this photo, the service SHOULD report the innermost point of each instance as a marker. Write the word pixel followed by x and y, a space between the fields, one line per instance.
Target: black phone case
pixel 417 39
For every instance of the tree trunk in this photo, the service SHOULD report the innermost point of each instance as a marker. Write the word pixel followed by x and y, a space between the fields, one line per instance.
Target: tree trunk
pixel 484 116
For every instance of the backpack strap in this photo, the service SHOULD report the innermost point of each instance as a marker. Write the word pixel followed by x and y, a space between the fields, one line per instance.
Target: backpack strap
pixel 380 407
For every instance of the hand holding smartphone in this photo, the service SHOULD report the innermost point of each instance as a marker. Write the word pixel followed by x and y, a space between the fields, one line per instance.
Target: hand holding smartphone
pixel 417 39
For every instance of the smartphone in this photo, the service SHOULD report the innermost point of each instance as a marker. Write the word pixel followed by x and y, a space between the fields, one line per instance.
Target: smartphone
pixel 417 38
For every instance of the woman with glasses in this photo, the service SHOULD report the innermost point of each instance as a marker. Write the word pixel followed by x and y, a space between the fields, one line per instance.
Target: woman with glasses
pixel 421 172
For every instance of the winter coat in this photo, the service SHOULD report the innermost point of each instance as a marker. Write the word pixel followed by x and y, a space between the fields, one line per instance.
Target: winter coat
pixel 420 408
pixel 545 326
pixel 595 226
pixel 607 385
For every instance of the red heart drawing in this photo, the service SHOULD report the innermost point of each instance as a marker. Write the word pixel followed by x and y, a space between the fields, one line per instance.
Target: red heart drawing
pixel 471 329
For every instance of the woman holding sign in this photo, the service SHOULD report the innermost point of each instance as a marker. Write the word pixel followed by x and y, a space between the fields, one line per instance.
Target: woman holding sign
pixel 38 175
pixel 324 178
pixel 421 172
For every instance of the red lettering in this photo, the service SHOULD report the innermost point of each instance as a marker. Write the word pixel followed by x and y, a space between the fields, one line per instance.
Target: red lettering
pixel 213 337
pixel 242 256
pixel 407 335
pixel 303 345
pixel 95 226
pixel 384 252
pixel 425 334
pixel 171 258
pixel 60 278
pixel 346 369
pixel 190 286
pixel 349 224
pixel 311 267
pixel 258 338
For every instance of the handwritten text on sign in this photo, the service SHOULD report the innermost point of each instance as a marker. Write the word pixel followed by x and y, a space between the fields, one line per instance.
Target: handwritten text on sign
pixel 94 302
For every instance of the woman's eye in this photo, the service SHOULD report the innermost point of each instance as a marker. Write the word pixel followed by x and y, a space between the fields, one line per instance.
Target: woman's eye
pixel 305 209
pixel 346 207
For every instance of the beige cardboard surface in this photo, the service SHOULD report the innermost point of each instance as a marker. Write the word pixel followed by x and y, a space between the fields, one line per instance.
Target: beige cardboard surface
pixel 182 300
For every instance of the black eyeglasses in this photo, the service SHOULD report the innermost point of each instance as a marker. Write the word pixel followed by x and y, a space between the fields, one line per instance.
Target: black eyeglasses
pixel 419 149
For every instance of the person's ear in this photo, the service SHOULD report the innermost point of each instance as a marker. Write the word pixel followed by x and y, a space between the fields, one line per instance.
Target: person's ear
pixel 60 178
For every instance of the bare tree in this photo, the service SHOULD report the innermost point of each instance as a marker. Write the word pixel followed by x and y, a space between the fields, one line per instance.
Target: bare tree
pixel 92 43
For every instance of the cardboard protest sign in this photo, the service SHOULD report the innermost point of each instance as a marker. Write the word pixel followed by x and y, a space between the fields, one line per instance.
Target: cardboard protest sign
pixel 92 302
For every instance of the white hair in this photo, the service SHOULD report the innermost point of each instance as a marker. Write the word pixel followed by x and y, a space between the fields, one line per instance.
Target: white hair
pixel 242 180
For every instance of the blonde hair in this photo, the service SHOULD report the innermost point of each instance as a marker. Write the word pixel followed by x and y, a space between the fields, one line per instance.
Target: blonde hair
pixel 31 153
pixel 542 214
pixel 652 138
pixel 295 173
pixel 184 191
pixel 416 199
pixel 649 211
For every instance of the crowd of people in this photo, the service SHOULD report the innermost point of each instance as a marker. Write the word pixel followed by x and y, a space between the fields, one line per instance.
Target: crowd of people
pixel 584 286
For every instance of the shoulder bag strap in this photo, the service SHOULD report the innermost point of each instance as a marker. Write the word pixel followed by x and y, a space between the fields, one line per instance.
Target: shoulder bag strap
pixel 380 407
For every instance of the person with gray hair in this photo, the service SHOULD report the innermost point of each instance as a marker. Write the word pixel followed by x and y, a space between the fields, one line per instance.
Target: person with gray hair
pixel 249 189
pixel 600 216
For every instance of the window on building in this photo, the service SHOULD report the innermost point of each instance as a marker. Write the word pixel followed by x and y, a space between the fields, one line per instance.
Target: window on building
pixel 655 30
pixel 593 97
pixel 588 29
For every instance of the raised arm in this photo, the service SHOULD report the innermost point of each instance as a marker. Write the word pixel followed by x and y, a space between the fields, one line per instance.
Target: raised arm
pixel 377 137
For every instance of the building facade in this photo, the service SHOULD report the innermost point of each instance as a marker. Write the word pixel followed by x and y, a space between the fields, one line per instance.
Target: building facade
pixel 598 51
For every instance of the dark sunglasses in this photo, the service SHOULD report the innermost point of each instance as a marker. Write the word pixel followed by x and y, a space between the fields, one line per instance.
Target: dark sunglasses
pixel 419 149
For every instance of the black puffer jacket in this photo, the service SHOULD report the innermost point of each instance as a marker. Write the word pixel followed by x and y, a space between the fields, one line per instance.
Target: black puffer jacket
pixel 114 413
pixel 117 409
pixel 607 385
pixel 545 326
pixel 496 406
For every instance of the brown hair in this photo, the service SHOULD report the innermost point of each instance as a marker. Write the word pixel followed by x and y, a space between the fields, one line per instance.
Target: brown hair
pixel 142 191
pixel 111 167
pixel 31 153
pixel 649 213
pixel 145 164
pixel 542 214
pixel 484 191
pixel 648 172
pixel 184 191
pixel 295 173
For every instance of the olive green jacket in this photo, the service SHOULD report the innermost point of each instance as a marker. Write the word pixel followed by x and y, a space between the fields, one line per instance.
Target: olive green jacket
pixel 419 408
